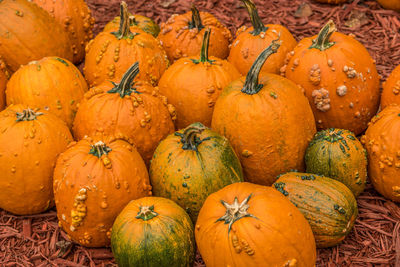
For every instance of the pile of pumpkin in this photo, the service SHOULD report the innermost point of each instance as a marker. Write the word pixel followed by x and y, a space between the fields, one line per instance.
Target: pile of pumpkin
pixel 145 82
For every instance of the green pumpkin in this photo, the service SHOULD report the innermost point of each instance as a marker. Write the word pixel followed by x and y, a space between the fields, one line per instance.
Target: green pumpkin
pixel 338 154
pixel 191 164
pixel 328 205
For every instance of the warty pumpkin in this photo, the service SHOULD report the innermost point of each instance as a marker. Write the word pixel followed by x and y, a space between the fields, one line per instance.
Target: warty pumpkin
pixel 339 78
pixel 153 231
pixel 391 89
pixel 251 41
pixel 181 35
pixel 110 54
pixel 328 205
pixel 132 109
pixel 52 84
pixel 76 19
pixel 4 76
pixel 30 142
pixel 28 33
pixel 93 181
pixel 245 224
pixel 193 84
pixel 383 145
pixel 267 120
pixel 338 154
pixel 390 4
pixel 192 163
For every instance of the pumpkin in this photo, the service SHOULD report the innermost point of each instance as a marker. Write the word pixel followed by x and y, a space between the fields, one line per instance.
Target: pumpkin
pixel 268 121
pixel 337 154
pixel 135 110
pixel 181 35
pixel 383 147
pixel 390 4
pixel 332 1
pixel 93 181
pixel 52 84
pixel 193 84
pixel 339 78
pixel 391 89
pixel 153 231
pixel 251 41
pixel 76 19
pixel 192 163
pixel 30 142
pixel 4 76
pixel 328 205
pixel 245 224
pixel 110 54
pixel 28 33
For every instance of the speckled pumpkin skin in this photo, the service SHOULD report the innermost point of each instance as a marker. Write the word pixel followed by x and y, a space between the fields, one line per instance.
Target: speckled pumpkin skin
pixel 390 4
pixel 391 89
pixel 52 84
pixel 280 236
pixel 337 154
pixel 383 146
pixel 4 76
pixel 167 239
pixel 29 150
pixel 144 23
pixel 90 192
pixel 328 205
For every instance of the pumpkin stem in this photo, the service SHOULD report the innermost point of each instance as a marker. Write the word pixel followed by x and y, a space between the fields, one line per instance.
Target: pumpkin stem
pixel 251 85
pixel 27 115
pixel 196 20
pixel 322 41
pixel 189 138
pixel 146 213
pixel 125 86
pixel 99 149
pixel 204 49
pixel 124 31
pixel 256 21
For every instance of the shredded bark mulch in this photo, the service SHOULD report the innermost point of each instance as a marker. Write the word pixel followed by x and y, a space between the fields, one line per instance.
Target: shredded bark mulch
pixel 375 240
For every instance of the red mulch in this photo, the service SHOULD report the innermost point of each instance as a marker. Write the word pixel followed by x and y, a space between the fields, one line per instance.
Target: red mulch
pixel 375 241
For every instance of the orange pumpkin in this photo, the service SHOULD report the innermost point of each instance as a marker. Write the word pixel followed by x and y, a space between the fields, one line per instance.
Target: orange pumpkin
pixel 52 83
pixel 93 182
pixel 391 89
pixel 245 224
pixel 28 33
pixel 250 42
pixel 268 122
pixel 135 110
pixel 4 76
pixel 390 4
pixel 30 142
pixel 182 35
pixel 339 78
pixel 76 19
pixel 110 54
pixel 383 146
pixel 193 85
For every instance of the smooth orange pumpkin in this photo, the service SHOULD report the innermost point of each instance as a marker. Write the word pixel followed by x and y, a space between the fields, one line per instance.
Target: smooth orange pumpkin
pixel 4 76
pixel 390 4
pixel 391 89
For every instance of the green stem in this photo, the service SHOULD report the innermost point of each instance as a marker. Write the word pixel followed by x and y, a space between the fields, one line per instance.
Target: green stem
pixel 27 115
pixel 146 213
pixel 124 31
pixel 196 20
pixel 251 85
pixel 256 21
pixel 322 41
pixel 99 149
pixel 125 88
pixel 204 49
pixel 189 138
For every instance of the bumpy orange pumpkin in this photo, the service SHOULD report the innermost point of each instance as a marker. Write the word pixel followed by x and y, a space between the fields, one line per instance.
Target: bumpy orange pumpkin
pixel 76 19
pixel 390 4
pixel 110 54
pixel 250 42
pixel 193 85
pixel 182 35
pixel 4 76
pixel 269 124
pixel 245 224
pixel 391 89
pixel 52 83
pixel 30 142
pixel 28 33
pixel 383 146
pixel 339 78
pixel 93 181
pixel 135 110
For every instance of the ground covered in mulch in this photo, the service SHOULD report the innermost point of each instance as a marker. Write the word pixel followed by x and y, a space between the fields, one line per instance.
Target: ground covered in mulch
pixel 375 240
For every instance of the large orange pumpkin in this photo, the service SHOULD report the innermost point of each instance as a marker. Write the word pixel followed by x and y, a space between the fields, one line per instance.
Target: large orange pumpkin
pixel 4 76
pixel 110 54
pixel 390 4
pixel 93 181
pixel 30 142
pixel 267 120
pixel 28 33
pixel 52 83
pixel 339 78
pixel 391 89
pixel 193 85
pixel 245 224
pixel 251 41
pixel 76 19
pixel 182 35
